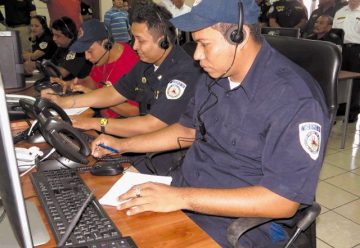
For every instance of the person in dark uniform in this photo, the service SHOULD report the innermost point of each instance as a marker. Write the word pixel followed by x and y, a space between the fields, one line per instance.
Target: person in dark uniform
pixel 18 13
pixel 264 6
pixel 258 124
pixel 43 46
pixel 322 32
pixel 287 14
pixel 70 64
pixel 162 82
pixel 326 7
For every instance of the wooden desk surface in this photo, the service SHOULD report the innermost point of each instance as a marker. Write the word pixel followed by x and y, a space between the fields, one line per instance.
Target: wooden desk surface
pixel 348 75
pixel 173 229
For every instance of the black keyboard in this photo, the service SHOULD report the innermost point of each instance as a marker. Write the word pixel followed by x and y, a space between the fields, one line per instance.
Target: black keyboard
pixel 61 194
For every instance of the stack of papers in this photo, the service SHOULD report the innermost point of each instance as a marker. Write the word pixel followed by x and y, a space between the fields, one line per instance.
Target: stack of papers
pixel 72 111
pixel 128 180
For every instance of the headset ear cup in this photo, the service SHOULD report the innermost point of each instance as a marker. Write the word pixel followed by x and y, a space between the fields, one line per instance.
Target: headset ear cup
pixel 108 45
pixel 234 35
pixel 164 44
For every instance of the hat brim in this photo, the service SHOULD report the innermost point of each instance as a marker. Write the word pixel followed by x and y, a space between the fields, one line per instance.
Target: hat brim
pixel 80 46
pixel 191 22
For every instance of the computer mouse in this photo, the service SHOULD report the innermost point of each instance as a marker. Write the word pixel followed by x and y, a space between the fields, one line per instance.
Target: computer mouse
pixel 106 168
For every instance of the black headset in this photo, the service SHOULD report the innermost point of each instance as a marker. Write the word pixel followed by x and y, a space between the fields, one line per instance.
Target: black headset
pixel 42 20
pixel 69 34
pixel 163 43
pixel 235 35
pixel 109 40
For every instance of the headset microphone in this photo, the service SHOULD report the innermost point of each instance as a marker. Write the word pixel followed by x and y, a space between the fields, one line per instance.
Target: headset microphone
pixel 102 56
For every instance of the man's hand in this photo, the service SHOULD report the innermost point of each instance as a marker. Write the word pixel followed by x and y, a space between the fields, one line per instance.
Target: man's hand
pixel 80 88
pixel 155 197
pixel 98 151
pixel 64 84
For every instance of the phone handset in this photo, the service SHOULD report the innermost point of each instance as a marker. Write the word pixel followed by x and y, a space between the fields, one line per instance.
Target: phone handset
pixel 68 141
pixel 33 109
pixel 48 69
pixel 45 105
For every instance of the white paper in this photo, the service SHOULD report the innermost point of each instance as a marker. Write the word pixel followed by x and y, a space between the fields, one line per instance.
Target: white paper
pixel 73 111
pixel 128 180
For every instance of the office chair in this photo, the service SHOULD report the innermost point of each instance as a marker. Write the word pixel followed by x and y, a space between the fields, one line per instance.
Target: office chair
pixel 323 61
pixel 278 31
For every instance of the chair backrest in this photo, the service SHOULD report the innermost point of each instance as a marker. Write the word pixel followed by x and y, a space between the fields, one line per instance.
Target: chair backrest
pixel 321 59
pixel 278 31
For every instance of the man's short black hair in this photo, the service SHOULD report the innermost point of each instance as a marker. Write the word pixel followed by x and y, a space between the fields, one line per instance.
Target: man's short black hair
pixel 156 17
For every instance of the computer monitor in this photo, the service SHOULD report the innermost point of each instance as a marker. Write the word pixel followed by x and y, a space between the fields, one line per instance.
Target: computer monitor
pixel 11 61
pixel 278 31
pixel 12 200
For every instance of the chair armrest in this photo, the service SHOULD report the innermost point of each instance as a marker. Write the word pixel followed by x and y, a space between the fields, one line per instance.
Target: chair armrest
pixel 241 225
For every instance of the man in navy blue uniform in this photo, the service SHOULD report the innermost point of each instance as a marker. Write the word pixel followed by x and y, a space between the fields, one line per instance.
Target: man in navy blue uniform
pixel 162 82
pixel 258 125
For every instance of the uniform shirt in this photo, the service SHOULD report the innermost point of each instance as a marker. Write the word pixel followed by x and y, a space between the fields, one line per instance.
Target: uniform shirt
pixel 264 9
pixel 163 93
pixel 74 63
pixel 287 13
pixel 269 131
pixel 45 44
pixel 118 21
pixel 112 72
pixel 175 11
pixel 309 27
pixel 17 12
pixel 349 21
pixel 331 37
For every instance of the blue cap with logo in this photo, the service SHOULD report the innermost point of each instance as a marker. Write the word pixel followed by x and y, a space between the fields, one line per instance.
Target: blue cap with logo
pixel 206 13
pixel 92 30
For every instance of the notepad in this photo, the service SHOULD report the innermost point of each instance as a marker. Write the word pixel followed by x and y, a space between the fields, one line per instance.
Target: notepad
pixel 72 111
pixel 128 180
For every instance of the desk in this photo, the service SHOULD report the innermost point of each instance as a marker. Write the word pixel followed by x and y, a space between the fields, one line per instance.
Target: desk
pixel 348 77
pixel 149 229
pixel 173 229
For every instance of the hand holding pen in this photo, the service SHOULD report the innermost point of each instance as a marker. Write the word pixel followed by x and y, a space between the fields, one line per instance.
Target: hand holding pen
pixel 104 145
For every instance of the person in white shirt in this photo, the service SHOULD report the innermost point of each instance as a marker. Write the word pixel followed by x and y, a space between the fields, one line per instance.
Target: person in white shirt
pixel 175 7
pixel 348 19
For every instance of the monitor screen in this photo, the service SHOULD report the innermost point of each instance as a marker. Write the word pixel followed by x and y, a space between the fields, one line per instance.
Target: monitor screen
pixel 290 32
pixel 10 186
pixel 11 62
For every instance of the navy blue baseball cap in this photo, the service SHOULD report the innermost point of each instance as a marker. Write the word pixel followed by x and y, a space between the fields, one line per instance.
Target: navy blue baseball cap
pixel 91 31
pixel 206 13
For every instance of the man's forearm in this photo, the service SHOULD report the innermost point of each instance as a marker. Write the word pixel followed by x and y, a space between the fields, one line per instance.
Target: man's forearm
pixel 253 201
pixel 170 138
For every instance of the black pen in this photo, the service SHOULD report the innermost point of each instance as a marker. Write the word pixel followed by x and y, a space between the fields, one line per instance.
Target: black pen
pixel 74 221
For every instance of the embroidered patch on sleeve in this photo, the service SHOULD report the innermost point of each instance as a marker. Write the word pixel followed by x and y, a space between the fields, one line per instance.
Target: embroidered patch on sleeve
pixel 175 89
pixel 310 138
pixel 70 56
pixel 43 45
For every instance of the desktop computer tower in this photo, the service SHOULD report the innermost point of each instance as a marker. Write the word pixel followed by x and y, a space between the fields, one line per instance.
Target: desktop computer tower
pixel 11 62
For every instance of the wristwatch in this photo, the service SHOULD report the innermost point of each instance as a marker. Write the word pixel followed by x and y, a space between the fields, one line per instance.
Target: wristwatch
pixel 103 123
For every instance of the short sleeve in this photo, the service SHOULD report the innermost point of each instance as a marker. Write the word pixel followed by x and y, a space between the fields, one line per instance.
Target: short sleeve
pixel 292 155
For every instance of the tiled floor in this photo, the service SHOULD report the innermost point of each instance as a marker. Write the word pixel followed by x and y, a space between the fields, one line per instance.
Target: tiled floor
pixel 339 193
